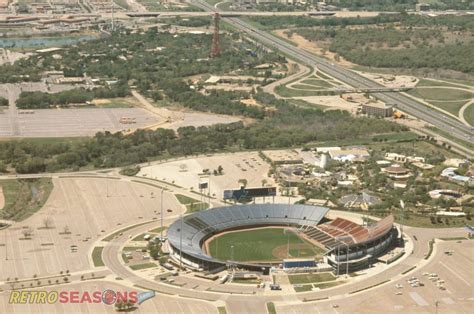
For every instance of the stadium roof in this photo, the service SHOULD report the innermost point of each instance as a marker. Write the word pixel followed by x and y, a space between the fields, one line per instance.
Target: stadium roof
pixel 199 226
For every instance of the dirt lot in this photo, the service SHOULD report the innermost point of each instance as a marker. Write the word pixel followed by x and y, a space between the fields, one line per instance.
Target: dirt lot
pixel 90 208
pixel 186 173
pixel 301 42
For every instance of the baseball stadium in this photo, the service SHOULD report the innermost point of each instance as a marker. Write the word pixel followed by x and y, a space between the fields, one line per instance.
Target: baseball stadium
pixel 259 236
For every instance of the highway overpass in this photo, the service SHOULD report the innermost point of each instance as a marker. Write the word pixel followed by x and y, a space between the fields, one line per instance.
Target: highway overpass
pixel 406 104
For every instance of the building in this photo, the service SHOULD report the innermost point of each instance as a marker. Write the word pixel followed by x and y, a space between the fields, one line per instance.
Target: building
pixel 187 234
pixel 298 263
pixel 361 200
pixel 403 158
pixel 349 154
pixel 377 110
pixel 422 7
pixel 455 162
pixel 280 157
pixel 397 172
pixel 447 194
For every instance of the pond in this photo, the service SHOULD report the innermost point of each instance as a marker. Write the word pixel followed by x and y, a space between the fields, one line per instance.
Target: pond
pixel 43 41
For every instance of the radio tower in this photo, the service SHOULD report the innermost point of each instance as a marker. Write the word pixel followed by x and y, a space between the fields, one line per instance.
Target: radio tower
pixel 216 47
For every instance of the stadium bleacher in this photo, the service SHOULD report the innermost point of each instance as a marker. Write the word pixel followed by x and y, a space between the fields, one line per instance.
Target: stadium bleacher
pixel 200 225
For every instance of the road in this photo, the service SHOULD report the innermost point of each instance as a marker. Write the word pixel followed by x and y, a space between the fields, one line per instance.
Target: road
pixel 113 261
pixel 445 123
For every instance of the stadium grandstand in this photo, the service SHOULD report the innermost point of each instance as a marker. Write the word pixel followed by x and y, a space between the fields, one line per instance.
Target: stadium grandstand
pixel 350 245
pixel 347 243
pixel 190 232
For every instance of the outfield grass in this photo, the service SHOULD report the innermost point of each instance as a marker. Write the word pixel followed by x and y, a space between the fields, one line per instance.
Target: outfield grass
pixel 24 197
pixel 97 256
pixel 269 244
pixel 142 266
pixel 310 278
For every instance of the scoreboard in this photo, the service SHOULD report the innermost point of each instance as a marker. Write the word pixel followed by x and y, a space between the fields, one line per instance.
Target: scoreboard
pixel 244 193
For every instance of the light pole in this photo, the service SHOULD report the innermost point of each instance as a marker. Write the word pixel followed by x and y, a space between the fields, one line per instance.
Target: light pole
pixel 161 205
pixel 347 256
pixel 402 206
pixel 181 243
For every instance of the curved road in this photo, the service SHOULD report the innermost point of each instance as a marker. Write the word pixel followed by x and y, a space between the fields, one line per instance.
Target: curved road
pixel 445 123
pixel 112 259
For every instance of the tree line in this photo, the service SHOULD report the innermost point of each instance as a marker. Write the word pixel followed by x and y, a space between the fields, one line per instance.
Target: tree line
pixel 41 100
pixel 288 126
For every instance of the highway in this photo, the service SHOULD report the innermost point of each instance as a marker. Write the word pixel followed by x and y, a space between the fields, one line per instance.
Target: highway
pixel 406 104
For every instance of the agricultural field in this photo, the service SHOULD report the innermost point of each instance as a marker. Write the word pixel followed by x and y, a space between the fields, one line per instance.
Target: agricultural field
pixel 268 244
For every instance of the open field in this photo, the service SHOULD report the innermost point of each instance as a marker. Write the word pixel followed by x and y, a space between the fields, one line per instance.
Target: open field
pixel 22 198
pixel 82 211
pixel 267 244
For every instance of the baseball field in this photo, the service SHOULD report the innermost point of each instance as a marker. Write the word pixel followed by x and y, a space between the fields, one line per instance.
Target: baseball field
pixel 263 245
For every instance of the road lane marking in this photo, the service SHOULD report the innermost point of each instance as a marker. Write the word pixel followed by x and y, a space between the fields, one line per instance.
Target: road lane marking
pixel 455 273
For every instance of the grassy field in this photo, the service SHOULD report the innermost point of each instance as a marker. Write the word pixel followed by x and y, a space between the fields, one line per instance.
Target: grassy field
pixel 192 205
pixel 451 106
pixel 269 244
pixel 287 92
pixel 183 199
pixel 317 82
pixel 97 256
pixel 310 278
pixel 440 94
pixel 24 197
pixel 469 114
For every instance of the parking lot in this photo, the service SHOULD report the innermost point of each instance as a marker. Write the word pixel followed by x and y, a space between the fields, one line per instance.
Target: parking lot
pixel 456 271
pixel 159 304
pixel 188 173
pixel 89 208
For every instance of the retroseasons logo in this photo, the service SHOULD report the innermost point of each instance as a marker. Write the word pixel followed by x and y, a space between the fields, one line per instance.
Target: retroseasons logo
pixel 107 296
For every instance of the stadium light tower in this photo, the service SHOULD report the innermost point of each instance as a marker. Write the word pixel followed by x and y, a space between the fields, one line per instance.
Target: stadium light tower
pixel 402 206
pixel 161 205
pixel 181 243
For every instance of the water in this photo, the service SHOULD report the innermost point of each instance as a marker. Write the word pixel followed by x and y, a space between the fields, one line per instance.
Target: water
pixel 43 41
